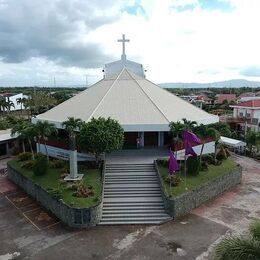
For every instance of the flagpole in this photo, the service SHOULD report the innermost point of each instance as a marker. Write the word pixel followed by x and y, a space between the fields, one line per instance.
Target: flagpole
pixel 170 184
pixel 185 168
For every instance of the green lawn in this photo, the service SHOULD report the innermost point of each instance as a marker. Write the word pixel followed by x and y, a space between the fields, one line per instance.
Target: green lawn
pixel 196 181
pixel 51 180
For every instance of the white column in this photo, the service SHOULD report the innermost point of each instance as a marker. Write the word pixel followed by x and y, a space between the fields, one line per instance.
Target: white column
pixel 141 136
pixel 73 164
pixel 73 168
pixel 160 139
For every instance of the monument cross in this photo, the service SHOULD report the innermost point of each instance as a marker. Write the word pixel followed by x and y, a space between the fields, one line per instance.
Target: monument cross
pixel 123 40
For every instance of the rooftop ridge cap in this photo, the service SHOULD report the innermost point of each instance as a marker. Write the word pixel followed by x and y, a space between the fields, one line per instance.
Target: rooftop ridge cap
pixel 149 97
pixel 99 103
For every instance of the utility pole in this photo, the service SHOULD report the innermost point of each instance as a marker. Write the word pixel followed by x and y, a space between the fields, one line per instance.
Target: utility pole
pixel 54 82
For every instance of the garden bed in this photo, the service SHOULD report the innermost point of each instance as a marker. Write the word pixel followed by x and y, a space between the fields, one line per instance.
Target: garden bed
pixel 56 195
pixel 201 188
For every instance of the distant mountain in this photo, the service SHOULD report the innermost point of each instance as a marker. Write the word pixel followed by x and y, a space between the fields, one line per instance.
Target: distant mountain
pixel 233 83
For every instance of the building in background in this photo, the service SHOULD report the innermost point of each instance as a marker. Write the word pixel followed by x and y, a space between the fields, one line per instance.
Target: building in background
pixel 8 143
pixel 15 100
pixel 221 98
pixel 246 116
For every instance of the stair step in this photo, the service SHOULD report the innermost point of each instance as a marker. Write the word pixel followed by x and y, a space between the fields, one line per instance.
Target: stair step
pixel 126 178
pixel 135 215
pixel 122 219
pixel 133 211
pixel 131 222
pixel 131 185
pixel 132 191
pixel 132 195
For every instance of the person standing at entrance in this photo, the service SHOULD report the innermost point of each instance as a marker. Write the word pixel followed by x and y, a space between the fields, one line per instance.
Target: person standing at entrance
pixel 138 142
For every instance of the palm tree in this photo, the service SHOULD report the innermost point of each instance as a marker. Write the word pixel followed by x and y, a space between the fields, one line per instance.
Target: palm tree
pixel 240 248
pixel 176 129
pixel 9 104
pixel 204 131
pixel 6 105
pixel 252 140
pixel 25 131
pixel 44 129
pixel 17 129
pixel 2 104
pixel 189 124
pixel 71 125
pixel 21 101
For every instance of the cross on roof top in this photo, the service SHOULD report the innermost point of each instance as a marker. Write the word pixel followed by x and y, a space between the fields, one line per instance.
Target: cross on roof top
pixel 123 40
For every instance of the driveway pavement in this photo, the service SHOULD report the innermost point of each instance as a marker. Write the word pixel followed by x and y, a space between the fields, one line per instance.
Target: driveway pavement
pixel 28 232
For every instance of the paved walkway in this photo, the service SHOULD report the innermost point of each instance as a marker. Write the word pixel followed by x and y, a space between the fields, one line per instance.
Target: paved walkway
pixel 191 237
pixel 144 155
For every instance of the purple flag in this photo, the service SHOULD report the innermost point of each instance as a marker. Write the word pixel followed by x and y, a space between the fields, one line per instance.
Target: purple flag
pixel 189 137
pixel 189 150
pixel 173 164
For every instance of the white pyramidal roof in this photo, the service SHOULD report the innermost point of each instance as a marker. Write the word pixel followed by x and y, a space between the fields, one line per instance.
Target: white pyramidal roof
pixel 137 103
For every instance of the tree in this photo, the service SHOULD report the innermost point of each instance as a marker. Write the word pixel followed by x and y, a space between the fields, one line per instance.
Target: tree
pixel 5 105
pixel 39 101
pixel 71 126
pixel 101 135
pixel 25 131
pixel 252 140
pixel 9 104
pixel 240 248
pixel 21 101
pixel 176 129
pixel 189 124
pixel 43 130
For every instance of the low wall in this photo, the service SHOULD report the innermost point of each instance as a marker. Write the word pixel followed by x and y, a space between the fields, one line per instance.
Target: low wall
pixel 73 217
pixel 184 203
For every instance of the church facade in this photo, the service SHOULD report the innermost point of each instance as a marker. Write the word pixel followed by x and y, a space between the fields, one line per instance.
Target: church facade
pixel 143 109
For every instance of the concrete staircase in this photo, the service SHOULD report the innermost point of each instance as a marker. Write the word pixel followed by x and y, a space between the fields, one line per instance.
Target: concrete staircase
pixel 132 195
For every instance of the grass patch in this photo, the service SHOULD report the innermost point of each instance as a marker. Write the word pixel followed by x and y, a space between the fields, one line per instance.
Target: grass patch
pixel 52 180
pixel 195 181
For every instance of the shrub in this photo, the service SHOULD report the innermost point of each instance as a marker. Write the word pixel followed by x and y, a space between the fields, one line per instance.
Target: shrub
pixel 55 193
pixel 83 191
pixel 174 179
pixel 38 155
pixel 28 164
pixel 40 166
pixel 208 158
pixel 238 248
pixel 222 155
pixel 255 230
pixel 163 163
pixel 227 152
pixel 204 166
pixel 193 166
pixel 24 156
pixel 58 164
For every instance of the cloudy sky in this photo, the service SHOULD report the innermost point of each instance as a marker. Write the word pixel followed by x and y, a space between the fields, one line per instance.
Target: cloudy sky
pixel 175 40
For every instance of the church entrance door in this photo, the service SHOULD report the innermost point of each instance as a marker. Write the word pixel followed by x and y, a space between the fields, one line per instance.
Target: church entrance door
pixel 130 139
pixel 150 138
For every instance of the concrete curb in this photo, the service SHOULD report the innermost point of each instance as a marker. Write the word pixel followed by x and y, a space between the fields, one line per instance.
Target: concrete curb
pixel 73 217
pixel 183 204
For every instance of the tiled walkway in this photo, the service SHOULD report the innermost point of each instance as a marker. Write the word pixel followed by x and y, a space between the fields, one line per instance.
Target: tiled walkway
pixel 26 206
pixel 145 155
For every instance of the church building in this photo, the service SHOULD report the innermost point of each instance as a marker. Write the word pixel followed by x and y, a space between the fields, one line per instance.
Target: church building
pixel 143 109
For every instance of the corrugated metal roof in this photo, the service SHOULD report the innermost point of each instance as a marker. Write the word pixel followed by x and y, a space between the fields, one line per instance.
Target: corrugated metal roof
pixel 130 99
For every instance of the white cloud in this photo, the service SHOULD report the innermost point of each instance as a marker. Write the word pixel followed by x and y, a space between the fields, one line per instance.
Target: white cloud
pixel 193 45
